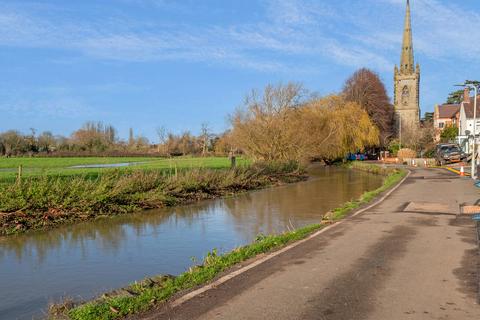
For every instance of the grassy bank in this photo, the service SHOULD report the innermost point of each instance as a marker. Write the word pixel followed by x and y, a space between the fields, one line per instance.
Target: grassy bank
pixel 392 177
pixel 46 201
pixel 65 167
pixel 370 168
pixel 144 295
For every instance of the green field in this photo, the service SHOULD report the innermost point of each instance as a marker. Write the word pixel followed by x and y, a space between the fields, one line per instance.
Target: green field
pixel 63 166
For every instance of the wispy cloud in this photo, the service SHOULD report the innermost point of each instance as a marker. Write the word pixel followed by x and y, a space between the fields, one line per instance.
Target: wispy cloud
pixel 56 107
pixel 445 27
pixel 290 28
pixel 299 12
pixel 442 29
pixel 56 102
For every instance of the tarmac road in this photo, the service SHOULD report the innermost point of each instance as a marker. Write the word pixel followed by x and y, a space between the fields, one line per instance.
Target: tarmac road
pixel 398 260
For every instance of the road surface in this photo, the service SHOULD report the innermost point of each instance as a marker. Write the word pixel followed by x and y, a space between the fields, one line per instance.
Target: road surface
pixel 410 257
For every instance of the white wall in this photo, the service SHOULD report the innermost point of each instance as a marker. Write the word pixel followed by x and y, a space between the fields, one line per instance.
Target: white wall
pixel 469 126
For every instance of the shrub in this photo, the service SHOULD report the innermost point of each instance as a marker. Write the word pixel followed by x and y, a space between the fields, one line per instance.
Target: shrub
pixel 406 153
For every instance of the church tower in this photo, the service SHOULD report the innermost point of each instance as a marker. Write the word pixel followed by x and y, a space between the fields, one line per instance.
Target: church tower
pixel 407 84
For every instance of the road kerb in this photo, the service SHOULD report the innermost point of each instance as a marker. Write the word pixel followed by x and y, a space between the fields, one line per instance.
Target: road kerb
pixel 457 171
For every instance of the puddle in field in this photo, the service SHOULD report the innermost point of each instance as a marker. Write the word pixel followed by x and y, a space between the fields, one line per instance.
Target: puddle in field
pixel 107 165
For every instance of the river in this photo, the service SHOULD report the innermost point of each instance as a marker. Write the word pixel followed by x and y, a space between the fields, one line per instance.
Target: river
pixel 86 259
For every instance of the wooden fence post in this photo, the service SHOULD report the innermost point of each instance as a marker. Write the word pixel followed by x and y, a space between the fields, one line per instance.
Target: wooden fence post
pixel 19 176
pixel 233 160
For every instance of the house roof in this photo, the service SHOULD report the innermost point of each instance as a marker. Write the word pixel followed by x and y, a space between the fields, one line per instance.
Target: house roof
pixel 469 108
pixel 448 111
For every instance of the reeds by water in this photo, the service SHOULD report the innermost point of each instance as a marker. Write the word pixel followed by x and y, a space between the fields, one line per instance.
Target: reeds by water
pixel 47 201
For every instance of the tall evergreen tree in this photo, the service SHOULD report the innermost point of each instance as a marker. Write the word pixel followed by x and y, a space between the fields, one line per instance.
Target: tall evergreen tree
pixel 455 97
pixel 131 138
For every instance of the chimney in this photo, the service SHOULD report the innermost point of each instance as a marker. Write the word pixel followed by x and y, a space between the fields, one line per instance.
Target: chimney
pixel 466 95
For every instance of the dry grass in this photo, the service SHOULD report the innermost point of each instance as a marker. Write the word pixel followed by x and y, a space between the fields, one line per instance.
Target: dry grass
pixel 48 201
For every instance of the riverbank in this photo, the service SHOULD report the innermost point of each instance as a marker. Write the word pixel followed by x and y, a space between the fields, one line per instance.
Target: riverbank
pixel 46 202
pixel 146 294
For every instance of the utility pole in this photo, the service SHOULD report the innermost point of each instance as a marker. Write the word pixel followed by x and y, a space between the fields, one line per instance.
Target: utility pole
pixel 474 154
pixel 400 132
pixel 475 86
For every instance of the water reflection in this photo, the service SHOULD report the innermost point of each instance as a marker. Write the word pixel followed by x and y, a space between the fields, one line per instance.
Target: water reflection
pixel 88 258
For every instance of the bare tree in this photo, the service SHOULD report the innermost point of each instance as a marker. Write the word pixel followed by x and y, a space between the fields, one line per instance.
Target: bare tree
pixel 422 139
pixel 205 135
pixel 131 137
pixel 222 144
pixel 110 134
pixel 13 142
pixel 94 136
pixel 260 127
pixel 46 141
pixel 162 139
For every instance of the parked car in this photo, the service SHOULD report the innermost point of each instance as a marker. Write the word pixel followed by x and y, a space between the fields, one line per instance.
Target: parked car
pixel 449 153
pixel 357 157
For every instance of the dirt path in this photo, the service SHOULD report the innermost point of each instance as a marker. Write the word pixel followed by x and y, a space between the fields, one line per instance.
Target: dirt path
pixel 398 260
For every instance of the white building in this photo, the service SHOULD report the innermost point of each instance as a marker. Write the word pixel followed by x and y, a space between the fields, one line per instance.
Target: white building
pixel 466 123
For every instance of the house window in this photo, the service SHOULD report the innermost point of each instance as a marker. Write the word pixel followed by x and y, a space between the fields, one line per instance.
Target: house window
pixel 441 125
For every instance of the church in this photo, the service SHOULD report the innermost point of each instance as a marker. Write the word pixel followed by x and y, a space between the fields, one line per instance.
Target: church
pixel 407 85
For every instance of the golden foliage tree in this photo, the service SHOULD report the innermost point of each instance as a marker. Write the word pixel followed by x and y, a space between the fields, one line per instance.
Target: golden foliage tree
pixel 283 126
pixel 222 145
pixel 263 128
pixel 331 127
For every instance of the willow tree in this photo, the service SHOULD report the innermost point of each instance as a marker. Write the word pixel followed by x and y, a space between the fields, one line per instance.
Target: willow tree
pixel 332 127
pixel 282 126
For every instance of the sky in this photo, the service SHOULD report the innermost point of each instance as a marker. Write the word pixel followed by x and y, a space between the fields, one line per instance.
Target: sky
pixel 151 63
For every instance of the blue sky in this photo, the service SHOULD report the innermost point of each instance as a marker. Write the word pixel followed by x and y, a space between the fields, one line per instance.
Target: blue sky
pixel 148 63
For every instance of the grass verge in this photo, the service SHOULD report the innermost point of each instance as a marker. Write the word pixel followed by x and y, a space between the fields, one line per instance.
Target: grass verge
pixel 392 177
pixel 371 168
pixel 141 296
pixel 43 202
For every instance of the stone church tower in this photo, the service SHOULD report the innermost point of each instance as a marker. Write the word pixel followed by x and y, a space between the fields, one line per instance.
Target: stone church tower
pixel 407 84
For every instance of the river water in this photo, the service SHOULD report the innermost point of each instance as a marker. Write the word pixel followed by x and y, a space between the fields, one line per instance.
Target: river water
pixel 86 259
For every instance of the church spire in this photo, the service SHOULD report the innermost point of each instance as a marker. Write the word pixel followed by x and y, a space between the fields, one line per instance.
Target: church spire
pixel 406 61
pixel 407 84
